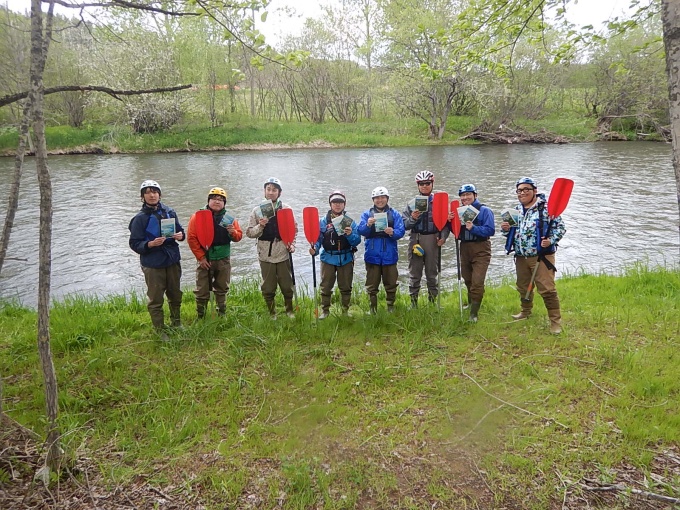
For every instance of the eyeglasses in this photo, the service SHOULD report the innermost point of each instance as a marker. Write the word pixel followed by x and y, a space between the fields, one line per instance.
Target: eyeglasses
pixel 425 183
pixel 523 190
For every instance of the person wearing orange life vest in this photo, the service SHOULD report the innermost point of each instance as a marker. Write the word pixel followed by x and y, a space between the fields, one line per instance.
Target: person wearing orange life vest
pixel 213 270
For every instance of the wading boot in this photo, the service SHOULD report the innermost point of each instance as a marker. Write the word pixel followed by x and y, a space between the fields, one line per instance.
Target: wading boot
pixel 474 310
pixel 290 311
pixel 271 306
pixel 175 317
pixel 414 302
pixel 555 321
pixel 526 311
pixel 431 298
pixel 221 311
pixel 374 304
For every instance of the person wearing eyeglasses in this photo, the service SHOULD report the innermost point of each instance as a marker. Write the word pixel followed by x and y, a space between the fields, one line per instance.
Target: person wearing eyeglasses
pixel 534 240
pixel 425 240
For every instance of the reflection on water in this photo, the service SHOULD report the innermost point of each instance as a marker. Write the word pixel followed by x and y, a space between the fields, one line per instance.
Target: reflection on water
pixel 623 208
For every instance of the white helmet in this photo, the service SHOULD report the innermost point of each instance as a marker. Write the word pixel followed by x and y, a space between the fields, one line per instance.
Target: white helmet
pixel 380 191
pixel 274 181
pixel 425 175
pixel 149 184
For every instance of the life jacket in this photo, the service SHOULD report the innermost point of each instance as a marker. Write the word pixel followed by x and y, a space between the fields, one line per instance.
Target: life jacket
pixel 271 229
pixel 332 242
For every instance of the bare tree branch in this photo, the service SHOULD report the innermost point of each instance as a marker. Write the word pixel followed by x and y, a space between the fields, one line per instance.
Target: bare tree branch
pixel 122 4
pixel 4 101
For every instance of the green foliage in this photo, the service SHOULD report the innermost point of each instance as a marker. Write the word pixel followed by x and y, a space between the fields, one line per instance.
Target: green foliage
pixel 315 410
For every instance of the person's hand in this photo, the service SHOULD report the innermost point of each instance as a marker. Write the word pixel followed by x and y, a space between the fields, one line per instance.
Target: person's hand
pixel 440 242
pixel 370 221
pixel 389 231
pixel 231 229
pixel 415 215
pixel 451 215
pixel 263 221
pixel 204 263
pixel 348 231
pixel 505 226
pixel 291 248
pixel 545 243
pixel 312 251
pixel 158 241
pixel 178 236
pixel 468 225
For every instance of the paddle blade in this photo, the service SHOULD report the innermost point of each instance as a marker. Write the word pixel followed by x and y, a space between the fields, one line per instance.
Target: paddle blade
pixel 440 213
pixel 205 230
pixel 286 222
pixel 559 196
pixel 310 219
pixel 455 222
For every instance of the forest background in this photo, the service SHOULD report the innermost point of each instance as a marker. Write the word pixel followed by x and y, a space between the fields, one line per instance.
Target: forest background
pixel 365 72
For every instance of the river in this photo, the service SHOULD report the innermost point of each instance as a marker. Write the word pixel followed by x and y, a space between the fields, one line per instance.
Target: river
pixel 623 208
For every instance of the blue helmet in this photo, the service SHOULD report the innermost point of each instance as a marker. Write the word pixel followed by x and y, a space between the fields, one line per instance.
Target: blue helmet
pixel 467 188
pixel 526 180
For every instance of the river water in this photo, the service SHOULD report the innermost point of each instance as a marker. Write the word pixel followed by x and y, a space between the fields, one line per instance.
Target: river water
pixel 623 208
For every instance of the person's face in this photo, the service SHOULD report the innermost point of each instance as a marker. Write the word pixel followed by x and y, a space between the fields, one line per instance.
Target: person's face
pixel 525 194
pixel 271 192
pixel 337 206
pixel 152 196
pixel 467 198
pixel 425 187
pixel 380 202
pixel 216 203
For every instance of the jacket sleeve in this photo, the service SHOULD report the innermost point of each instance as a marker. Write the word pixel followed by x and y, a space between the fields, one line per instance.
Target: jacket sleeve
pixel 354 238
pixel 399 229
pixel 487 226
pixel 557 230
pixel 363 228
pixel 138 239
pixel 238 233
pixel 192 239
pixel 254 230
pixel 178 225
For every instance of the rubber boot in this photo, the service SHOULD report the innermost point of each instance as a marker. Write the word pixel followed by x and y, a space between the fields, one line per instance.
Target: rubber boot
pixel 414 302
pixel 431 298
pixel 157 319
pixel 555 321
pixel 221 308
pixel 474 310
pixel 175 317
pixel 374 304
pixel 290 311
pixel 271 306
pixel 526 311
pixel 325 307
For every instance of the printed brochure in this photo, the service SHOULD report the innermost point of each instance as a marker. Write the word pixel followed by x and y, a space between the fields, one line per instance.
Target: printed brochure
pixel 380 221
pixel 467 213
pixel 340 223
pixel 511 216
pixel 267 209
pixel 420 203
pixel 167 227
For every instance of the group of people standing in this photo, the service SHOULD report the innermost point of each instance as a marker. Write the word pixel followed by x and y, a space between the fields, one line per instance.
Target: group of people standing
pixel 533 239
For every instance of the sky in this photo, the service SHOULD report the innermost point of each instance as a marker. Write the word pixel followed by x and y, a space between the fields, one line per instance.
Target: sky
pixel 279 24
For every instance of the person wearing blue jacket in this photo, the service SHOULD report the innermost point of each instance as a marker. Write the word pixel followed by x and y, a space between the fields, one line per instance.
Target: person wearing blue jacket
pixel 159 255
pixel 475 248
pixel 337 253
pixel 381 234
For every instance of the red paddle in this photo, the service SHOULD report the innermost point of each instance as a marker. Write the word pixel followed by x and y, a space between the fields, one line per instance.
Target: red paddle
pixel 455 227
pixel 286 224
pixel 440 215
pixel 557 203
pixel 205 230
pixel 310 220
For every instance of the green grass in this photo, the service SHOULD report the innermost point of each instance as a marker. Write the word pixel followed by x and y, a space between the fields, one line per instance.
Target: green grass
pixel 385 411
pixel 246 132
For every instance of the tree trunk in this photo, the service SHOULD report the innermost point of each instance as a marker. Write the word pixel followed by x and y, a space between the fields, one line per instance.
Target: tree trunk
pixel 671 39
pixel 39 47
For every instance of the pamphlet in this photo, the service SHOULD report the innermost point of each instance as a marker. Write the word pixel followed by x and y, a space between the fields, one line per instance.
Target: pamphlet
pixel 167 227
pixel 267 209
pixel 467 213
pixel 511 216
pixel 340 223
pixel 226 220
pixel 420 203
pixel 380 221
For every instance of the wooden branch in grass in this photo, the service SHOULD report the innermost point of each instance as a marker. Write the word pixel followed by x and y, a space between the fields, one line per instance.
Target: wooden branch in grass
pixel 619 487
pixel 4 101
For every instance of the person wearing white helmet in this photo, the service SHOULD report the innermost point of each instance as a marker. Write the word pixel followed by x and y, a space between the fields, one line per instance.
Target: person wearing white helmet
pixel 423 247
pixel 475 247
pixel 213 269
pixel 337 253
pixel 155 238
pixel 273 253
pixel 381 227
pixel 531 246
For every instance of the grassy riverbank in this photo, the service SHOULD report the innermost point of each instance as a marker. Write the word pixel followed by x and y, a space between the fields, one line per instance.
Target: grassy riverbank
pixel 248 134
pixel 408 410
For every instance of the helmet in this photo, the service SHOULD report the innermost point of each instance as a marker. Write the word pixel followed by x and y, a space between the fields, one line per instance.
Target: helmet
pixel 336 195
pixel 218 191
pixel 149 184
pixel 467 188
pixel 425 175
pixel 526 180
pixel 380 191
pixel 274 181
pixel 418 250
